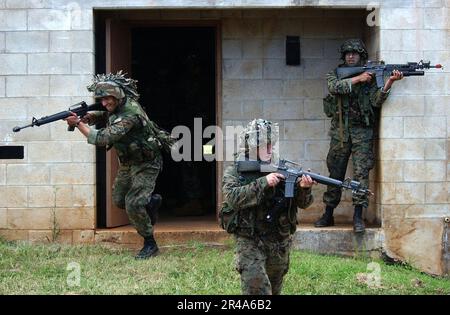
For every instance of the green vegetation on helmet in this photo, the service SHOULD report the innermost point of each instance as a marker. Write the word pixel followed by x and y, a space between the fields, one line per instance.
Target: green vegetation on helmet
pixel 355 45
pixel 259 132
pixel 116 85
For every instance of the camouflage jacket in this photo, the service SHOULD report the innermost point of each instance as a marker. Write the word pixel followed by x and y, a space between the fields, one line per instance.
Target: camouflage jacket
pixel 130 132
pixel 359 104
pixel 248 199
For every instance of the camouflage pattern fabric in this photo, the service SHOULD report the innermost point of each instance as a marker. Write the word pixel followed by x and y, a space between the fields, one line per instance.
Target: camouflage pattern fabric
pixel 262 264
pixel 132 189
pixel 262 253
pixel 108 89
pixel 354 44
pixel 359 107
pixel 337 159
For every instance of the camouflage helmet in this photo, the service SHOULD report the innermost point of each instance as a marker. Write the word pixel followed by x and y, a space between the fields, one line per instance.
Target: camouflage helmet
pixel 354 45
pixel 258 132
pixel 114 84
pixel 103 89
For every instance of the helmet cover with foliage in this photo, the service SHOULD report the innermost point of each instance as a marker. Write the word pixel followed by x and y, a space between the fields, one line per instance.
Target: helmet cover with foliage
pixel 114 85
pixel 259 132
pixel 355 45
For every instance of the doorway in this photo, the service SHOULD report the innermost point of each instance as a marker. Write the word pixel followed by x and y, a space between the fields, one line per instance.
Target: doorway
pixel 175 69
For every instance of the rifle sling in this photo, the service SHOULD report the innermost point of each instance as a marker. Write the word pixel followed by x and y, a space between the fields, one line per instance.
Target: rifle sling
pixel 341 131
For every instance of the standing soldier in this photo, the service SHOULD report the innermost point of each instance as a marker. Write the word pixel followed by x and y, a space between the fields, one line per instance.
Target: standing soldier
pixel 262 246
pixel 351 104
pixel 135 139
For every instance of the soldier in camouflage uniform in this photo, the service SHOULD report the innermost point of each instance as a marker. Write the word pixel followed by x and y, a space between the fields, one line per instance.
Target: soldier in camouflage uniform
pixel 132 134
pixel 352 105
pixel 262 246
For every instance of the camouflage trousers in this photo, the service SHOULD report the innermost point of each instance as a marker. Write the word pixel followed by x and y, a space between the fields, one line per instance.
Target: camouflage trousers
pixel 262 264
pixel 337 160
pixel 132 189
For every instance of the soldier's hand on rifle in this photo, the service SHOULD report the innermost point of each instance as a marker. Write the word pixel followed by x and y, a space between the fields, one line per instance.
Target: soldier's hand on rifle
pixel 396 75
pixel 363 77
pixel 88 118
pixel 273 179
pixel 306 181
pixel 72 120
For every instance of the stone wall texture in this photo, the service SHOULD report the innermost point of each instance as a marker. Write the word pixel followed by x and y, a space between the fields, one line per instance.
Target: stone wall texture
pixel 47 54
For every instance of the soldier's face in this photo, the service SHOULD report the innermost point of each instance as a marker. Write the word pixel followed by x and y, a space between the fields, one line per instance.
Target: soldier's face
pixel 265 152
pixel 110 103
pixel 352 58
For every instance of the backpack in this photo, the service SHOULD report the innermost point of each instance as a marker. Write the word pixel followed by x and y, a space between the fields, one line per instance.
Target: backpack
pixel 164 138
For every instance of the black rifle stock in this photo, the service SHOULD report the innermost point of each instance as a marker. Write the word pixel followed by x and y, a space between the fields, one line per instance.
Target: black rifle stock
pixel 380 70
pixel 291 175
pixel 80 109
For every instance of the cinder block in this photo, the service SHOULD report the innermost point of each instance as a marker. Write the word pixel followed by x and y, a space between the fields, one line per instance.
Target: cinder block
pixel 231 90
pixel 18 174
pixel 69 85
pixel 391 171
pixel 2 174
pixel 38 218
pixel 72 173
pixel 435 149
pixel 409 193
pixel 49 19
pixel 273 48
pixel 391 127
pixel 436 18
pixel 83 63
pixel 71 41
pixel 252 109
pixel 82 20
pixel 50 63
pixel 403 105
pixel 68 196
pixel 313 88
pixel 13 109
pixel 16 196
pixel 13 64
pixel 437 193
pixel 26 4
pixel 402 149
pixel 231 49
pixel 2 86
pixel 49 152
pixel 313 109
pixel 27 42
pixel 3 217
pixel 317 150
pixel 41 196
pixel 425 171
pixel 398 19
pixel 13 20
pixel 425 127
pixel 83 236
pixel 23 86
pixel 318 68
pixel 292 150
pixel 82 152
pixel 252 48
pixel 14 235
pixel 242 69
pixel 80 218
pixel 283 109
pixel 2 42
pixel 305 130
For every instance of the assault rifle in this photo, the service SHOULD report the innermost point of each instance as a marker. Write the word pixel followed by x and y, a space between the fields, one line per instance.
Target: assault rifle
pixel 380 70
pixel 80 109
pixel 291 175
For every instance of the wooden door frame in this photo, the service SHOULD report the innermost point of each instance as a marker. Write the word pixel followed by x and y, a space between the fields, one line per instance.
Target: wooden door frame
pixel 216 24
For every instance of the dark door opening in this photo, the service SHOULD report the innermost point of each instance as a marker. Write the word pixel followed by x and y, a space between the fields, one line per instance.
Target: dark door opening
pixel 175 69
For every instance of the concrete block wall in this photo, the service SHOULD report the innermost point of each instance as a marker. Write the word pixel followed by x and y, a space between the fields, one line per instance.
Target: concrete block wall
pixel 47 57
pixel 414 137
pixel 46 61
pixel 257 83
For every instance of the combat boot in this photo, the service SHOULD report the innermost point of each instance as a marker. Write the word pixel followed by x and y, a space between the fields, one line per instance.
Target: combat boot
pixel 358 222
pixel 150 248
pixel 327 218
pixel 153 206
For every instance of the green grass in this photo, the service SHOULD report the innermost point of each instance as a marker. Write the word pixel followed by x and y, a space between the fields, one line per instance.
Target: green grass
pixel 192 269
